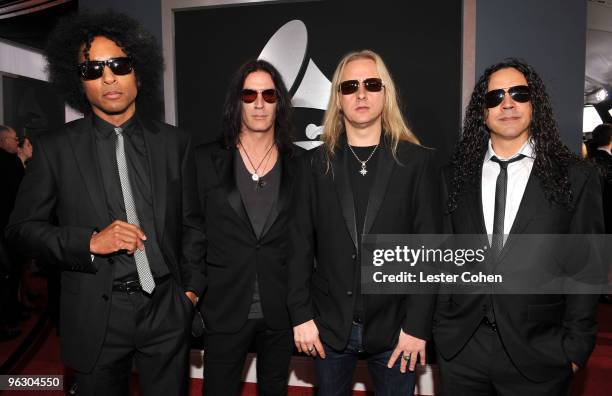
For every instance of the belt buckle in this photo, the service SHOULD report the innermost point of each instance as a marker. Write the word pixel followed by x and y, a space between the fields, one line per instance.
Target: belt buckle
pixel 132 286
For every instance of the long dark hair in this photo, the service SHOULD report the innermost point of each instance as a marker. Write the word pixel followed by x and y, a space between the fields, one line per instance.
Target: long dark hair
pixel 232 109
pixel 552 157
pixel 78 31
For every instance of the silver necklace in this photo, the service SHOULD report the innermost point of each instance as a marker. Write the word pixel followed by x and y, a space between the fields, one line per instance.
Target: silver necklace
pixel 255 176
pixel 363 170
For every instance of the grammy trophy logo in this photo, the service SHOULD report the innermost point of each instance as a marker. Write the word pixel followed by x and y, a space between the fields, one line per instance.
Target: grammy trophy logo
pixel 286 50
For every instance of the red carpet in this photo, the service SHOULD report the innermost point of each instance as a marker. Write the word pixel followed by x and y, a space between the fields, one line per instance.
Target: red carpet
pixel 595 380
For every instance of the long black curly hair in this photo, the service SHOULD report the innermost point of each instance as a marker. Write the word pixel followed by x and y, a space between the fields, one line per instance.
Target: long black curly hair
pixel 77 32
pixel 552 157
pixel 232 108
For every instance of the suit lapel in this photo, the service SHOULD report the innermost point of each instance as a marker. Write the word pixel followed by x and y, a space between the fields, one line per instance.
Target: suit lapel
pixel 530 205
pixel 344 191
pixel 84 148
pixel 224 163
pixel 474 201
pixel 155 142
pixel 378 190
pixel 284 192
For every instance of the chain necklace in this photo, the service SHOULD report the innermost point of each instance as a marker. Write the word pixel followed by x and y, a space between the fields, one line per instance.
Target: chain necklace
pixel 255 176
pixel 363 170
pixel 261 183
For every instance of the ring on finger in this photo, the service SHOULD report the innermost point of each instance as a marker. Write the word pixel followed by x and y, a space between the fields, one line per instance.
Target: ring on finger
pixel 406 356
pixel 310 349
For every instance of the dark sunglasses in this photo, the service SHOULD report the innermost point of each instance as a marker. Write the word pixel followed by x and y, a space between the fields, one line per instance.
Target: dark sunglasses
pixel 518 93
pixel 92 70
pixel 351 86
pixel 250 95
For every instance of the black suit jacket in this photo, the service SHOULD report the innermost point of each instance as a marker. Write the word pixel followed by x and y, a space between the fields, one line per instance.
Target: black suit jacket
pixel 542 333
pixel 12 173
pixel 403 200
pixel 60 203
pixel 604 162
pixel 234 254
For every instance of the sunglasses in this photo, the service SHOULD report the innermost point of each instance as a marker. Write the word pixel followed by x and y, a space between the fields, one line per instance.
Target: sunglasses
pixel 250 95
pixel 92 70
pixel 518 93
pixel 351 86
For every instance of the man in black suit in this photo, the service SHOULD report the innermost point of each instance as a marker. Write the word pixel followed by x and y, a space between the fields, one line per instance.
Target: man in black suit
pixel 511 174
pixel 12 167
pixel 370 176
pixel 601 154
pixel 246 187
pixel 112 200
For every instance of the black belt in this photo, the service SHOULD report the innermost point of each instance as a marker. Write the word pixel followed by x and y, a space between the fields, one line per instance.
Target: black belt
pixel 489 324
pixel 133 285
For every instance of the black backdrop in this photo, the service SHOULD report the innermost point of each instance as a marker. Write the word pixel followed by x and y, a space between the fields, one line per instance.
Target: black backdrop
pixel 419 41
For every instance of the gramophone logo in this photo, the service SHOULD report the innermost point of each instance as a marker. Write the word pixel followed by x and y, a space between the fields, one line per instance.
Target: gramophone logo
pixel 286 50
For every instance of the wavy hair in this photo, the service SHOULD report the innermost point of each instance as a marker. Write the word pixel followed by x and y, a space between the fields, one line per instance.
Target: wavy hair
pixel 74 34
pixel 552 157
pixel 393 124
pixel 232 109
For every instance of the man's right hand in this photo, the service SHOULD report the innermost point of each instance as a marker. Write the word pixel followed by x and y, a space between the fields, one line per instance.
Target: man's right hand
pixel 117 236
pixel 306 338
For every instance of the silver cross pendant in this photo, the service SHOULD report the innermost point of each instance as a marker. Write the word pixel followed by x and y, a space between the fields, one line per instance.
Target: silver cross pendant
pixel 363 170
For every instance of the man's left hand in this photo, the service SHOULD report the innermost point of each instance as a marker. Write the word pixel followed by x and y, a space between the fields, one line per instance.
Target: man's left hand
pixel 408 345
pixel 192 297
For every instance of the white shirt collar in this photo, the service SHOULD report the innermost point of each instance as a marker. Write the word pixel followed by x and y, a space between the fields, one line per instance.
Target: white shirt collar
pixel 527 150
pixel 607 150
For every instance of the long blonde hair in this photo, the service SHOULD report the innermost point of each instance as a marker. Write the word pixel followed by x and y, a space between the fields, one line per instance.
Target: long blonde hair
pixel 393 124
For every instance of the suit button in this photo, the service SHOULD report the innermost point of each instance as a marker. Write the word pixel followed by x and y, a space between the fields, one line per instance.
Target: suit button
pixel 258 246
pixel 484 308
pixel 354 256
pixel 110 260
pixel 349 293
pixel 104 297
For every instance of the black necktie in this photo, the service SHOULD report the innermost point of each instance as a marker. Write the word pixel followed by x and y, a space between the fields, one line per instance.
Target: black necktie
pixel 497 242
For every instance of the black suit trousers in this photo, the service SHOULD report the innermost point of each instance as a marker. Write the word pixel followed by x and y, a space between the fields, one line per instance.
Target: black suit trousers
pixel 483 368
pixel 151 331
pixel 225 355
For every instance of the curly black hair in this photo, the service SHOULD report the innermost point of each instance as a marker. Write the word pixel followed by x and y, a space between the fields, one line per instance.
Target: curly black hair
pixel 232 109
pixel 552 157
pixel 76 32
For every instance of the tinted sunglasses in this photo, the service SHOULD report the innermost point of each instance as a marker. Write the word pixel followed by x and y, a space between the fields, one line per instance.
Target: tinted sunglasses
pixel 518 93
pixel 92 70
pixel 351 86
pixel 250 95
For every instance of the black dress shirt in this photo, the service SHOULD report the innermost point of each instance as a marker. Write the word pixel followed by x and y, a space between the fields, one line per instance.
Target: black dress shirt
pixel 140 180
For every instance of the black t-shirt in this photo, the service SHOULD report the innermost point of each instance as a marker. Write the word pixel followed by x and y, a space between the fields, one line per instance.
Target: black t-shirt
pixel 361 184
